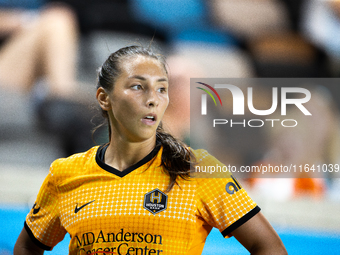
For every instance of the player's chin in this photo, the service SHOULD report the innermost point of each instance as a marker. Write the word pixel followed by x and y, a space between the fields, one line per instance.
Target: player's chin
pixel 144 134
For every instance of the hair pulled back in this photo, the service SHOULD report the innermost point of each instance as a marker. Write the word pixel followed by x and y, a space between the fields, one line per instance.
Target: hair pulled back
pixel 176 157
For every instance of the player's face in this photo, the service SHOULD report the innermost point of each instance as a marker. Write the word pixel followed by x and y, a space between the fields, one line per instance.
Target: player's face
pixel 139 98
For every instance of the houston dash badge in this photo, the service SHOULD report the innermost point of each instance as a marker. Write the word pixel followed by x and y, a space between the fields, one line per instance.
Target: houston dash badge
pixel 155 201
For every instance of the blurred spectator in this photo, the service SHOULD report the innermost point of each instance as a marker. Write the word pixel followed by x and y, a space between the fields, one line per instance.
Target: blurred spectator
pixel 111 15
pixel 40 42
pixel 321 25
pixel 40 46
pixel 249 19
pixel 267 29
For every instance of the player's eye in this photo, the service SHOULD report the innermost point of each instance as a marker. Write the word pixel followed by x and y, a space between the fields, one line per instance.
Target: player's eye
pixel 162 90
pixel 137 87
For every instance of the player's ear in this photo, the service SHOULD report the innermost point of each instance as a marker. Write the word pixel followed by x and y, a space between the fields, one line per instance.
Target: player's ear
pixel 103 99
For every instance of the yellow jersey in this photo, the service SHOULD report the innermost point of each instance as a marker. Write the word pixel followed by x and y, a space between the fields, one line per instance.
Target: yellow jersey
pixel 128 212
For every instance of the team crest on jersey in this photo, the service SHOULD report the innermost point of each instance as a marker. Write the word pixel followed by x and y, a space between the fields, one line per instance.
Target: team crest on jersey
pixel 155 201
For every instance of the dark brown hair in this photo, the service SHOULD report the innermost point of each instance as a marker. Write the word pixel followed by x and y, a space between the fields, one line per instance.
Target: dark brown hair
pixel 176 156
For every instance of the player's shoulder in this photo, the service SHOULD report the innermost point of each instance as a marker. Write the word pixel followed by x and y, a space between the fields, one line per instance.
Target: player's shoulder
pixel 75 162
pixel 203 157
pixel 206 168
pixel 200 154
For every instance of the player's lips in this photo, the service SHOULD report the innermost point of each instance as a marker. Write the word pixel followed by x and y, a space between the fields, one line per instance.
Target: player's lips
pixel 149 119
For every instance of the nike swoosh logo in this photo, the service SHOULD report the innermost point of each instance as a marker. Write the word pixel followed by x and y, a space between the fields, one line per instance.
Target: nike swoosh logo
pixel 77 209
pixel 35 210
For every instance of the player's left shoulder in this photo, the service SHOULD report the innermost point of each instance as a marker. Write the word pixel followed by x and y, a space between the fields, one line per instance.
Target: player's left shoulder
pixel 203 157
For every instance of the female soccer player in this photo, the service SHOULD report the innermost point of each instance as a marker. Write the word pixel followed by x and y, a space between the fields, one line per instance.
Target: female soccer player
pixel 135 195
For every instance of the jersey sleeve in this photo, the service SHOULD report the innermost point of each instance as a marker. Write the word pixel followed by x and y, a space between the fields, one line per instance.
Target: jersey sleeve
pixel 222 202
pixel 43 222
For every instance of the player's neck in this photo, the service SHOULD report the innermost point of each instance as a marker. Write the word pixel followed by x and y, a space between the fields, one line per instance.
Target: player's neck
pixel 122 154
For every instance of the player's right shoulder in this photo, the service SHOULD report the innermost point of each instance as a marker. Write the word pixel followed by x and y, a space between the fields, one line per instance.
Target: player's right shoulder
pixel 73 163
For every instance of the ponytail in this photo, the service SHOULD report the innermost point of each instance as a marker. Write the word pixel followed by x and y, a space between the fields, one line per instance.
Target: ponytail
pixel 176 157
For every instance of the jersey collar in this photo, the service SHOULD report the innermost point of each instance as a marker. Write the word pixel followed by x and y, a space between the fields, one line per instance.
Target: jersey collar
pixel 100 160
